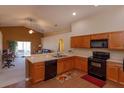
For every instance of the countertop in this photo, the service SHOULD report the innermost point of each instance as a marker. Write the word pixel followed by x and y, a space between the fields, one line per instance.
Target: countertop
pixel 50 56
pixel 45 57
pixel 119 61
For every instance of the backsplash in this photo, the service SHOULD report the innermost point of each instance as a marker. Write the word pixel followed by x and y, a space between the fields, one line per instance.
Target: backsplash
pixel 118 55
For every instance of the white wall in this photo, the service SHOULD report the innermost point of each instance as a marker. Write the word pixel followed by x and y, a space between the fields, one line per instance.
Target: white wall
pixel 109 20
pixel 51 42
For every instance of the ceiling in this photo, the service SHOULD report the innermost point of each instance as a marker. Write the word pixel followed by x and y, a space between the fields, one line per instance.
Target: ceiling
pixel 45 18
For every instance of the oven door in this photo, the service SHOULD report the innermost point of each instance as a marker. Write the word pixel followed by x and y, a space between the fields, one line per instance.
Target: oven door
pixel 97 68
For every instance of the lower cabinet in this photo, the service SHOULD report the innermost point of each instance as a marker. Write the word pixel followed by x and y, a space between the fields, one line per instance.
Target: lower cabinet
pixel 121 75
pixel 81 63
pixel 85 64
pixel 115 72
pixel 60 66
pixel 112 73
pixel 36 72
pixel 65 64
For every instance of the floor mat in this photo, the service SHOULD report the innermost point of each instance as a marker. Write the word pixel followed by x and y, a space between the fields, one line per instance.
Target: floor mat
pixel 97 82
pixel 66 76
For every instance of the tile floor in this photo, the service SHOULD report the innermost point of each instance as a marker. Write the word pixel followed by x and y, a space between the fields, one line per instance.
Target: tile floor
pixel 13 74
pixel 75 82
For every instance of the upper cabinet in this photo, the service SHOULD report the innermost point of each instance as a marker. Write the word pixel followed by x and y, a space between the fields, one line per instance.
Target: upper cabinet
pixel 80 41
pixel 100 36
pixel 76 42
pixel 116 40
pixel 85 41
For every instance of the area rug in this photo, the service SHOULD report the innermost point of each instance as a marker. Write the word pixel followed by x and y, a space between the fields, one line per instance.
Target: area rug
pixel 97 82
pixel 66 76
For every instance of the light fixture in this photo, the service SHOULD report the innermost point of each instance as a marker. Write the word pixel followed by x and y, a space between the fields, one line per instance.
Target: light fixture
pixel 30 20
pixel 31 31
pixel 74 13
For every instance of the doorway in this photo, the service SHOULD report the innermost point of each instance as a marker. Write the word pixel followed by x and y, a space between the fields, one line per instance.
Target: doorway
pixel 23 48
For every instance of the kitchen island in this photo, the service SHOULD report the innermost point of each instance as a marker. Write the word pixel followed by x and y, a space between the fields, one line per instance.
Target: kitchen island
pixel 35 65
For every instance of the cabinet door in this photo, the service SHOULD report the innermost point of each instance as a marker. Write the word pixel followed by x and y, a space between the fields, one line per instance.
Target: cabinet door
pixel 85 41
pixel 121 76
pixel 112 73
pixel 80 42
pixel 75 42
pixel 60 67
pixel 81 63
pixel 68 64
pixel 78 63
pixel 116 40
pixel 85 64
pixel 38 71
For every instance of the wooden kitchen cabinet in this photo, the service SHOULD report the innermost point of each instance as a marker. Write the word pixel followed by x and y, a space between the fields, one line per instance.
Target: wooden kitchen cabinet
pixel 76 42
pixel 121 76
pixel 80 41
pixel 81 63
pixel 112 72
pixel 60 66
pixel 85 64
pixel 85 41
pixel 36 72
pixel 116 40
pixel 65 64
pixel 100 36
pixel 68 64
pixel 78 63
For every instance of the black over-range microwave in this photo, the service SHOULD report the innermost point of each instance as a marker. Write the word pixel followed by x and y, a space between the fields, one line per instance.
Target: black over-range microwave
pixel 99 43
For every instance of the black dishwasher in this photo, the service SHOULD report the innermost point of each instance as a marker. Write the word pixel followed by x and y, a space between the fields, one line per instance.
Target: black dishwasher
pixel 50 69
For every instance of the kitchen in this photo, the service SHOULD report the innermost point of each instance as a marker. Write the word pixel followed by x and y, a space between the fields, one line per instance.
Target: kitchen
pixel 85 45
pixel 100 65
pixel 100 33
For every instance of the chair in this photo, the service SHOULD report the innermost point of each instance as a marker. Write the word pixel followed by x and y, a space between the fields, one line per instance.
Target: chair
pixel 8 59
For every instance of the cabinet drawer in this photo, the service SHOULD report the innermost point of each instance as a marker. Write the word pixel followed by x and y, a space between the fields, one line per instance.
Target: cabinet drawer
pixel 39 64
pixel 39 67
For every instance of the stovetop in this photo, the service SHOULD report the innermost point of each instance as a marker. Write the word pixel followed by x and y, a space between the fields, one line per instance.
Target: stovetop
pixel 100 55
pixel 97 58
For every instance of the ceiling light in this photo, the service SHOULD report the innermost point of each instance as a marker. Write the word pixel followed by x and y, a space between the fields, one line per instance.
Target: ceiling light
pixel 74 13
pixel 31 31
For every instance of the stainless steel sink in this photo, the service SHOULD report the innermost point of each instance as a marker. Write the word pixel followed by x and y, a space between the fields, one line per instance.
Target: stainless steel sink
pixel 60 55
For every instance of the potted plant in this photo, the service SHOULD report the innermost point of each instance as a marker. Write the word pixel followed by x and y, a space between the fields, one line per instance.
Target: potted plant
pixel 12 46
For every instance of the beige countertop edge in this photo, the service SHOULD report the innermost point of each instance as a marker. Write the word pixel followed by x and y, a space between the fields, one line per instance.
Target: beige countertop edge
pixel 35 60
pixel 71 55
pixel 115 61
